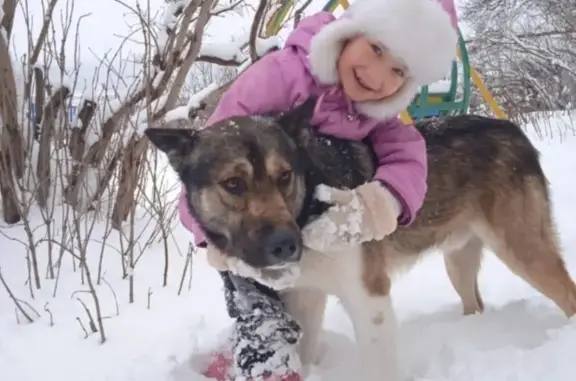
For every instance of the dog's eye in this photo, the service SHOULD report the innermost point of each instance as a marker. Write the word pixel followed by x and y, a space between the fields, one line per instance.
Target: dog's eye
pixel 234 185
pixel 285 177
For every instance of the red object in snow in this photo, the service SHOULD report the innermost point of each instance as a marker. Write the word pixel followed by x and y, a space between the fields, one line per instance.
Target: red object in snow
pixel 218 370
pixel 286 377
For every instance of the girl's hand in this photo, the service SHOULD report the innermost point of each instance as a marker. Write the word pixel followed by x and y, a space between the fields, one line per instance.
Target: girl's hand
pixel 368 212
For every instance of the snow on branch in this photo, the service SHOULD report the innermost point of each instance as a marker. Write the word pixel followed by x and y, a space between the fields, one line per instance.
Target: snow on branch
pixel 190 110
pixel 140 119
pixel 233 53
pixel 185 112
pixel 540 53
pixel 2 28
pixel 235 6
pixel 197 100
pixel 172 12
pixel 170 38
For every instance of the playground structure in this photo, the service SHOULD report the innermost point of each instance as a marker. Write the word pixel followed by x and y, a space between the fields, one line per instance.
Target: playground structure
pixel 448 97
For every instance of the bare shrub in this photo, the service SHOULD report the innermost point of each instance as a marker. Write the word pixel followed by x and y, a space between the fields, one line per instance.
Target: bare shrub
pixel 82 189
pixel 526 52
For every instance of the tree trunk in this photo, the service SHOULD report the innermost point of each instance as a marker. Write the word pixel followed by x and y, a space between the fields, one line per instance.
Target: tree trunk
pixel 44 152
pixel 134 156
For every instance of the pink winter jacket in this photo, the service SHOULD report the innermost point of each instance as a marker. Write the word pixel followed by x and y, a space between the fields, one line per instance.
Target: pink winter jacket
pixel 282 79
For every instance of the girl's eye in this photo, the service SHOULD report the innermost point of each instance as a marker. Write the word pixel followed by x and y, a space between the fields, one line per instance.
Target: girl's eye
pixel 234 185
pixel 284 178
pixel 399 72
pixel 376 49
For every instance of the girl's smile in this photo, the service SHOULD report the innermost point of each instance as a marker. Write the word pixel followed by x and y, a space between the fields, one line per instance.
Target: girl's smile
pixel 368 72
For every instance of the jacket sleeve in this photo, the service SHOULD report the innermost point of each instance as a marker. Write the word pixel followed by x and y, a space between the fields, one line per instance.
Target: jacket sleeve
pixel 260 89
pixel 402 165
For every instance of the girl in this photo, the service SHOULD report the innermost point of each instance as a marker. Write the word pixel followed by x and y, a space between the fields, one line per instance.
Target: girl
pixel 365 68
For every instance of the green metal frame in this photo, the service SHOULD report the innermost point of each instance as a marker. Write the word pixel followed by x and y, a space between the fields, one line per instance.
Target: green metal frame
pixel 331 5
pixel 451 103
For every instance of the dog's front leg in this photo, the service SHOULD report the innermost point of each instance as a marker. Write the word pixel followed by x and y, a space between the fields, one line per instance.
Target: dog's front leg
pixel 370 309
pixel 306 306
pixel 375 328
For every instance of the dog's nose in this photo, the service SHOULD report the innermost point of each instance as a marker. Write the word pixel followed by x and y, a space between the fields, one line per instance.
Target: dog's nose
pixel 284 245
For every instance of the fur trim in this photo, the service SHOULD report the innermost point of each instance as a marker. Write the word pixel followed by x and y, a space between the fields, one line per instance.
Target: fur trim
pixel 419 32
pixel 325 48
pixel 391 106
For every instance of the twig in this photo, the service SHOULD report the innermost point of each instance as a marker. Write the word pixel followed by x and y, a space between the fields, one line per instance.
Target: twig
pixel 29 269
pixel 29 306
pixel 254 29
pixel 49 313
pixel 190 277
pixel 83 328
pixel 114 295
pixel 14 299
pixel 91 322
pixel 149 297
pixel 529 35
pixel 185 269
pixel 96 301
pixel 300 12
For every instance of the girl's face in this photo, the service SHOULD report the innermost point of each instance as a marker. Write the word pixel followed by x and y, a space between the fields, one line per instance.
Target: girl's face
pixel 369 72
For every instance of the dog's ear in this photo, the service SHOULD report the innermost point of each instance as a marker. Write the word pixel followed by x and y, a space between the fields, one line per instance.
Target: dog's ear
pixel 174 142
pixel 298 118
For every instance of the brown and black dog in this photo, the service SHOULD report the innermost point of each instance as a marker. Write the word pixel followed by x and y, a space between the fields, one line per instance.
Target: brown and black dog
pixel 251 182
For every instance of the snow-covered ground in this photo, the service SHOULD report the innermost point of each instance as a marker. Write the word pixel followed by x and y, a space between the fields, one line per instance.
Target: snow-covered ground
pixel 521 336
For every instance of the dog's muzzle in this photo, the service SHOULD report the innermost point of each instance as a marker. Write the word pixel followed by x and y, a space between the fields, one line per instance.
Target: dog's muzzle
pixel 283 245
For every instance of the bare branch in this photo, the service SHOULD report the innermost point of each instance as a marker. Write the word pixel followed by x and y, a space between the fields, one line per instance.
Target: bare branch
pixel 14 299
pixel 260 11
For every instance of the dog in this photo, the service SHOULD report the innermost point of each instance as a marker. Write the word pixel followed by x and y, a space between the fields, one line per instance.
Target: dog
pixel 251 184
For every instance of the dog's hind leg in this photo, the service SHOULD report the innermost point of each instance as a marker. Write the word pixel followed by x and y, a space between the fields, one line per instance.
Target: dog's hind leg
pixel 462 266
pixel 306 306
pixel 519 229
pixel 365 294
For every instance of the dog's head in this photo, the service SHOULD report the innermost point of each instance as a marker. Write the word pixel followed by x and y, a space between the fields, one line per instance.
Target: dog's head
pixel 245 180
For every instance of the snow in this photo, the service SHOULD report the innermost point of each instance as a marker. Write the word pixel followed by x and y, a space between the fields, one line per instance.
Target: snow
pixel 160 336
pixel 233 51
pixel 344 223
pixel 169 22
pixel 442 86
pixel 521 335
pixel 2 29
pixel 196 100
pixel 140 118
pixel 180 112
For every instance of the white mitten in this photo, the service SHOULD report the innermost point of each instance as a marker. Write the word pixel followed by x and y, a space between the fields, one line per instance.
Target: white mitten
pixel 368 212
